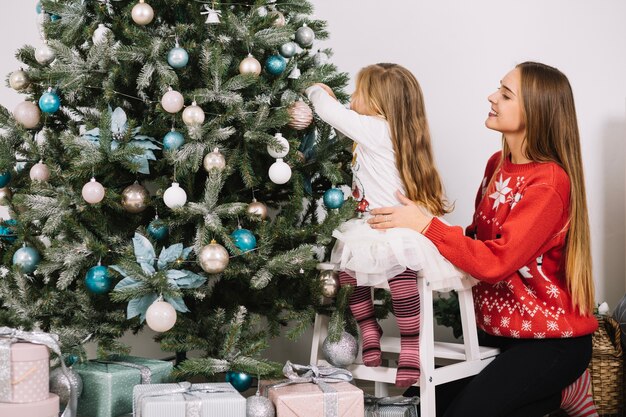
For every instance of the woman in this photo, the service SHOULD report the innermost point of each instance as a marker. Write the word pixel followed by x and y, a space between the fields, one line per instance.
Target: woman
pixel 529 247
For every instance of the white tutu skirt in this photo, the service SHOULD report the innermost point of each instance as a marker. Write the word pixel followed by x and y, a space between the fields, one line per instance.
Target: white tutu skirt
pixel 373 256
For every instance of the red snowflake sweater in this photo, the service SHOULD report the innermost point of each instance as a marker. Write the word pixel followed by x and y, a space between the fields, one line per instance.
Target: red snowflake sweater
pixel 515 246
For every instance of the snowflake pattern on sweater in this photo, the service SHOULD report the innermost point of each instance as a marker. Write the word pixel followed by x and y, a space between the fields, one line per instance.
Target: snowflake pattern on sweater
pixel 517 252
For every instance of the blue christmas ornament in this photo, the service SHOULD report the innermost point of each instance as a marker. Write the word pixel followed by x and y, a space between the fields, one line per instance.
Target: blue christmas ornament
pixel 275 64
pixel 333 198
pixel 98 280
pixel 7 233
pixel 71 360
pixel 157 229
pixel 5 177
pixel 54 17
pixel 26 259
pixel 38 8
pixel 177 57
pixel 173 140
pixel 241 381
pixel 244 239
pixel 49 102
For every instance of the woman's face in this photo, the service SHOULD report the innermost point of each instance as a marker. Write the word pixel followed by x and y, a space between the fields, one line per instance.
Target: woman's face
pixel 507 111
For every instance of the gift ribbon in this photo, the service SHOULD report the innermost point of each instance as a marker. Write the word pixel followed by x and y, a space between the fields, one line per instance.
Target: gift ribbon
pixel 144 371
pixel 399 401
pixel 320 376
pixel 9 336
pixel 193 405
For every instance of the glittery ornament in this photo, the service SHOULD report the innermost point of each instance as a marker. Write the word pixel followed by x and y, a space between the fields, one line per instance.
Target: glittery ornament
pixel 257 209
pixel 142 13
pixel 250 65
pixel 301 115
pixel 7 231
pixel 27 114
pixel 279 172
pixel 333 198
pixel 275 65
pixel 341 353
pixel 61 385
pixel 259 406
pixel 135 198
pixel 39 172
pixel 19 80
pixel 173 140
pixel 214 160
pixel 213 258
pixel 93 192
pixel 320 58
pixel 26 259
pixel 161 316
pixel 174 196
pixel 305 36
pixel 193 115
pixel 276 152
pixel 288 50
pixel 44 54
pixel 172 101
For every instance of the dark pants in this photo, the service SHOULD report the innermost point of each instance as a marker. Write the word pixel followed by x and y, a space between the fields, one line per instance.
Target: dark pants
pixel 524 380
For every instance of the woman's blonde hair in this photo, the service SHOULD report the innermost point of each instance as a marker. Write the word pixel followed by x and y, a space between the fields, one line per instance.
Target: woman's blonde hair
pixel 393 92
pixel 552 135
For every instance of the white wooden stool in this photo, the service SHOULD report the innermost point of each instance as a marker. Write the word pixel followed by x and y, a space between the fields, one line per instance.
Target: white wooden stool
pixel 460 360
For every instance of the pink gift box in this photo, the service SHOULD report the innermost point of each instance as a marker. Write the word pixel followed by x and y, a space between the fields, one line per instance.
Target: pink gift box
pixel 46 408
pixel 306 400
pixel 30 373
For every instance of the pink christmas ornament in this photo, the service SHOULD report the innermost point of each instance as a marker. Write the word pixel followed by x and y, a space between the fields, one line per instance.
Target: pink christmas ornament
pixel 93 192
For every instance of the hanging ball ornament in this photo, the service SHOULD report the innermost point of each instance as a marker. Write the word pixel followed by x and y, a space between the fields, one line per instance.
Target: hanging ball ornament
pixel 44 54
pixel 26 259
pixel 93 192
pixel 5 178
pixel 300 115
pixel 157 229
pixel 174 197
pixel 98 280
pixel 342 353
pixel 241 381
pixel 333 198
pixel 18 80
pixel 288 50
pixel 5 196
pixel 305 36
pixel 100 34
pixel 193 115
pixel 7 232
pixel 257 209
pixel 173 140
pixel 135 198
pixel 161 316
pixel 320 58
pixel 278 153
pixel 213 258
pixel 214 160
pixel 27 114
pixel 250 65
pixel 142 13
pixel 329 279
pixel 275 64
pixel 244 239
pixel 279 172
pixel 278 19
pixel 259 406
pixel 49 102
pixel 172 101
pixel 61 385
pixel 40 172
pixel 177 57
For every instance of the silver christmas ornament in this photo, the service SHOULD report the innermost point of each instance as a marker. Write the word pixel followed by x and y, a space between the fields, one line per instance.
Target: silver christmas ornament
pixel 295 73
pixel 259 406
pixel 100 34
pixel 44 54
pixel 213 258
pixel 135 198
pixel 262 11
pixel 288 50
pixel 329 278
pixel 60 384
pixel 341 353
pixel 40 172
pixel 5 196
pixel 27 114
pixel 320 58
pixel 250 65
pixel 305 36
pixel 19 80
pixel 193 115
pixel 142 13
pixel 214 160
pixel 301 115
pixel 257 209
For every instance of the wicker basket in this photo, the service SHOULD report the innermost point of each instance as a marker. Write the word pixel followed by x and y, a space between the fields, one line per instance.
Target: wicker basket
pixel 607 368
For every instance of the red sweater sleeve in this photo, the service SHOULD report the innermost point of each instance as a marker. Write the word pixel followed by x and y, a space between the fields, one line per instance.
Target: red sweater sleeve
pixel 534 221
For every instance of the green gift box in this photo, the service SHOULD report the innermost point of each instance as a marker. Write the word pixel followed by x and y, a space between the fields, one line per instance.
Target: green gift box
pixel 108 385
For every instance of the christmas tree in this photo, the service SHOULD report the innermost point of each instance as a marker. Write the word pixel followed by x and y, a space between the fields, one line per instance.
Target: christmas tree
pixel 165 168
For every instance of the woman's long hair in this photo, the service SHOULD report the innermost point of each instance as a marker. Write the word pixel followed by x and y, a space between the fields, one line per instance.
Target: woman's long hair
pixel 552 135
pixel 392 91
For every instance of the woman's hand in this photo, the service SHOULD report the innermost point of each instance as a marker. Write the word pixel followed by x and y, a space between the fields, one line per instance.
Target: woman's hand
pixel 410 215
pixel 326 88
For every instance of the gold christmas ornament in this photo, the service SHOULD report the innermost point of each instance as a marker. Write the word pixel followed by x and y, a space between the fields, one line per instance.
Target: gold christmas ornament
pixel 329 278
pixel 213 258
pixel 301 115
pixel 19 80
pixel 142 13
pixel 257 209
pixel 250 65
pixel 135 198
pixel 279 19
pixel 214 160
pixel 193 115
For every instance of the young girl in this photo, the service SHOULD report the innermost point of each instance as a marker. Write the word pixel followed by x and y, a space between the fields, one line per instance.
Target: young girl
pixel 387 122
pixel 529 246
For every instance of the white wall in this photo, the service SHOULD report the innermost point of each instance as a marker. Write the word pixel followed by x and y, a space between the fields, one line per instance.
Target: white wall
pixel 459 50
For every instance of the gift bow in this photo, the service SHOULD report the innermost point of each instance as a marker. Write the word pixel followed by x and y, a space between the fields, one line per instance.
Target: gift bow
pixel 192 408
pixel 320 376
pixel 400 401
pixel 8 336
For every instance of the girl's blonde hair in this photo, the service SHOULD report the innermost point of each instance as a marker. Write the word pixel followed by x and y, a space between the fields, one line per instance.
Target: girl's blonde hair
pixel 552 135
pixel 393 92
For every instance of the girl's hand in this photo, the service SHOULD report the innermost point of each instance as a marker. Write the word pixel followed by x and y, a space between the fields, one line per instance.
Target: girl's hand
pixel 410 215
pixel 327 89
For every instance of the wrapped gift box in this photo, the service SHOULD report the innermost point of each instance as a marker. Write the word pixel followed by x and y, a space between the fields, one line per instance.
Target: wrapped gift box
pixel 107 387
pixel 185 399
pixel 30 370
pixel 46 408
pixel 391 406
pixel 307 400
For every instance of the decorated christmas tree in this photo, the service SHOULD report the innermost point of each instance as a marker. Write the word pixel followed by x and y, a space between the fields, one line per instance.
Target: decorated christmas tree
pixel 165 168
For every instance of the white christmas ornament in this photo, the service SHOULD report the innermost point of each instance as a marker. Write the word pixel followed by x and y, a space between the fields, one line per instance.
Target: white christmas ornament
pixel 193 115
pixel 44 54
pixel 40 172
pixel 295 73
pixel 174 197
pixel 142 13
pixel 161 316
pixel 274 153
pixel 279 172
pixel 100 34
pixel 214 160
pixel 93 192
pixel 27 114
pixel 172 101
